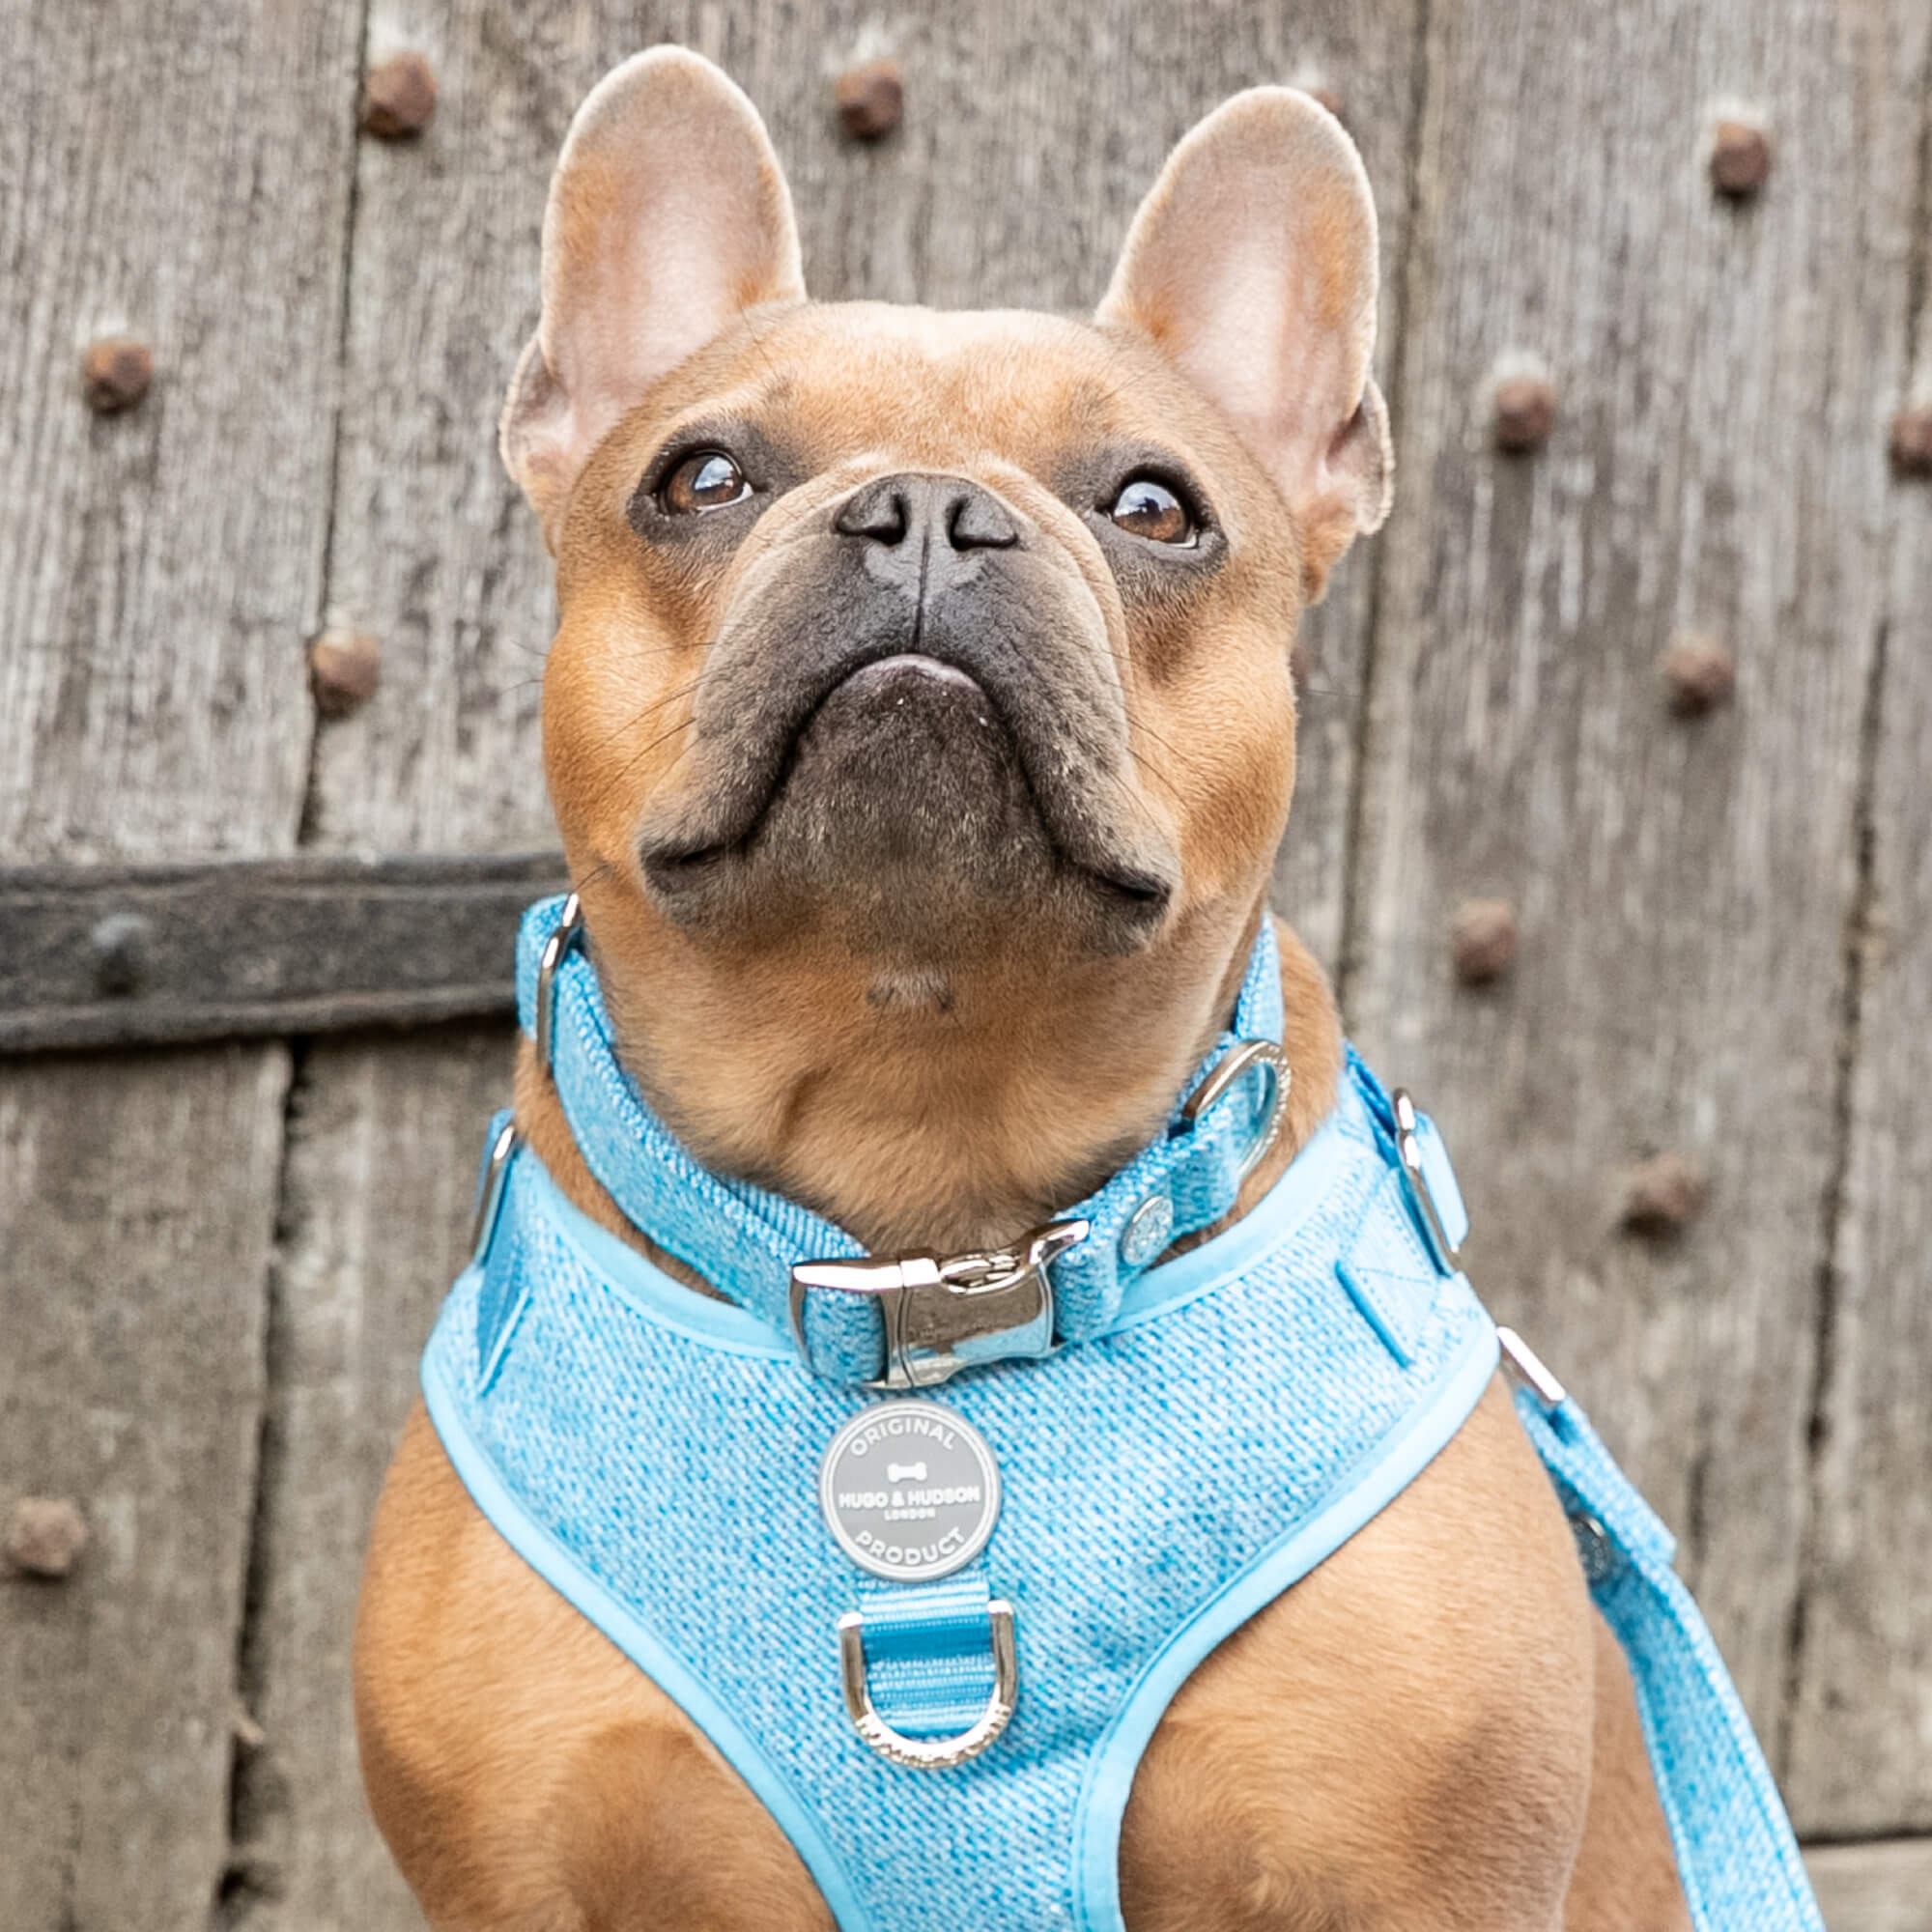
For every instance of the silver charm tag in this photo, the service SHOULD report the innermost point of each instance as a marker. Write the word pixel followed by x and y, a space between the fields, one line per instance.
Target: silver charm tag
pixel 910 1491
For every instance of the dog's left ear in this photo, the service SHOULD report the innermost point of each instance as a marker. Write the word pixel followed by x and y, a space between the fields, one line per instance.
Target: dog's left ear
pixel 669 216
pixel 1252 265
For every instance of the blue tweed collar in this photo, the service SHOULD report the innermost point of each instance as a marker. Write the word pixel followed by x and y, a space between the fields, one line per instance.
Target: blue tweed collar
pixel 745 1242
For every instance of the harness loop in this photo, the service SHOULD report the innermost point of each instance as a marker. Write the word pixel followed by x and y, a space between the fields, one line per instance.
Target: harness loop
pixel 931 1753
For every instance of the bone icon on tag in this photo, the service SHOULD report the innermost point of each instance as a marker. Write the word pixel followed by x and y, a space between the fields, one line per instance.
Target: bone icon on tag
pixel 905 1472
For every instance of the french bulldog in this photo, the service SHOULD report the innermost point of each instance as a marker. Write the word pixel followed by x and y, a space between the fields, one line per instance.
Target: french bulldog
pixel 921 730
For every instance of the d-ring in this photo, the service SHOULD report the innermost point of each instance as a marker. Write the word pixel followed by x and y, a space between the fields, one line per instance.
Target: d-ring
pixel 931 1753
pixel 1236 1062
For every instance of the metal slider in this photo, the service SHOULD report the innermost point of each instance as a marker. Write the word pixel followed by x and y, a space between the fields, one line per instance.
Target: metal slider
pixel 490 1197
pixel 556 947
pixel 931 1753
pixel 1530 1370
pixel 1236 1062
pixel 1408 1152
pixel 933 1305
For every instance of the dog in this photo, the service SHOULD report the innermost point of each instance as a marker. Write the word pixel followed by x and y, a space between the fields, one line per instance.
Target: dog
pixel 919 726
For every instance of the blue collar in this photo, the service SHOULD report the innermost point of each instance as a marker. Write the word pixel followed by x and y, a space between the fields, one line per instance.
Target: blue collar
pixel 871 1323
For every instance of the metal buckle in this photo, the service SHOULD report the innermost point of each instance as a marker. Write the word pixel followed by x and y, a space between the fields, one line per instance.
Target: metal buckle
pixel 563 936
pixel 1530 1370
pixel 1236 1062
pixel 1408 1152
pixel 490 1199
pixel 932 1305
pixel 930 1754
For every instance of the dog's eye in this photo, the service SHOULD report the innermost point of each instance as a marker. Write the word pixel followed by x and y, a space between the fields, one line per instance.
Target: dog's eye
pixel 710 480
pixel 1148 509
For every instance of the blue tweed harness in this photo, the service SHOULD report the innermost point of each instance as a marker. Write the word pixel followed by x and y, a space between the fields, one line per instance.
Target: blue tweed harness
pixel 1176 1442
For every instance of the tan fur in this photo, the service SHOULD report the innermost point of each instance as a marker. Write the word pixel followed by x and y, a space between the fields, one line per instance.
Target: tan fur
pixel 1432 1729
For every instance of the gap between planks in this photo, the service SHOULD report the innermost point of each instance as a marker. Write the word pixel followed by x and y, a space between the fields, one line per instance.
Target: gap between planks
pixel 239 1884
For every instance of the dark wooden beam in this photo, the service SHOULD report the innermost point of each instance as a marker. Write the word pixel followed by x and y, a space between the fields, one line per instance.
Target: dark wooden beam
pixel 129 955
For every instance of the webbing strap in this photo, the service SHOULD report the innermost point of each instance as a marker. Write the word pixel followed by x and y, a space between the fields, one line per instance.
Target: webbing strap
pixel 928 1660
pixel 1736 1857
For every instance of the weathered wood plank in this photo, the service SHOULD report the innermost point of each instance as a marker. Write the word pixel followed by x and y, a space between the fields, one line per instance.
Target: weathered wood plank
pixel 136 1206
pixel 1724 371
pixel 177 172
pixel 1862 1736
pixel 378 1197
pixel 1884 1887
pixel 1005 186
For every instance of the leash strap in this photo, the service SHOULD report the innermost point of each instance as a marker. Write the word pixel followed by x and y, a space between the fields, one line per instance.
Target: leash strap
pixel 744 1240
pixel 1736 1857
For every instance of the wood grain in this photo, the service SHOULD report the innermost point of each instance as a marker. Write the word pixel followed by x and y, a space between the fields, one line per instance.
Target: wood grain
pixel 174 172
pixel 136 1204
pixel 1725 372
pixel 1861 1730
pixel 1884 1887
pixel 378 1194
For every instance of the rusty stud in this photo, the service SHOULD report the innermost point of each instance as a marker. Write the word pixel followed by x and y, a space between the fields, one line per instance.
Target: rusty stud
pixel 870 98
pixel 115 373
pixel 45 1536
pixel 399 97
pixel 343 670
pixel 1318 84
pixel 1524 400
pixel 1662 1194
pixel 1911 440
pixel 119 943
pixel 1740 154
pixel 1482 939
pixel 1698 672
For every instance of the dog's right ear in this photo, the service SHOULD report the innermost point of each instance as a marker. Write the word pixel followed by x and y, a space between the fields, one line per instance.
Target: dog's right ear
pixel 669 215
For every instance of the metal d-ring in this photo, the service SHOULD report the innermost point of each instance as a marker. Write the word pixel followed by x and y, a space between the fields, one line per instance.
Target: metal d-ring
pixel 1236 1062
pixel 562 937
pixel 931 1753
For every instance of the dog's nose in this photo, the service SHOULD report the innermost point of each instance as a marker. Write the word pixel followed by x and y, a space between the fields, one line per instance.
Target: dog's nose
pixel 917 513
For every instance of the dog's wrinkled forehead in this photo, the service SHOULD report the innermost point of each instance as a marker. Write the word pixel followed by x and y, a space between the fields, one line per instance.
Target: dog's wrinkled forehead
pixel 928 386
pixel 1032 406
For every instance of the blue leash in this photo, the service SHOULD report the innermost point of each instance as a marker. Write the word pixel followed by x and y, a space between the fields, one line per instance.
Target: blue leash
pixel 1736 1857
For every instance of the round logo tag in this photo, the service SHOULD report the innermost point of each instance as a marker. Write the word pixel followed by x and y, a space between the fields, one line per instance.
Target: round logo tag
pixel 910 1491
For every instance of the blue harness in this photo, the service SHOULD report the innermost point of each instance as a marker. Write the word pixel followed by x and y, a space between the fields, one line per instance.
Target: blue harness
pixel 1172 1446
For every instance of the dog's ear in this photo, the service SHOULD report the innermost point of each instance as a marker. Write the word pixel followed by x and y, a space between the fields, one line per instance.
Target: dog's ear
pixel 667 217
pixel 1252 265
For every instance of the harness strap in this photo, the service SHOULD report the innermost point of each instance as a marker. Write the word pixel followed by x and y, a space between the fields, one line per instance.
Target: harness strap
pixel 1736 1857
pixel 928 1653
pixel 744 1240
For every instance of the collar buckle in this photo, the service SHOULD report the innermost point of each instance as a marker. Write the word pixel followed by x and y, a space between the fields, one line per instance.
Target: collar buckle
pixel 944 1313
